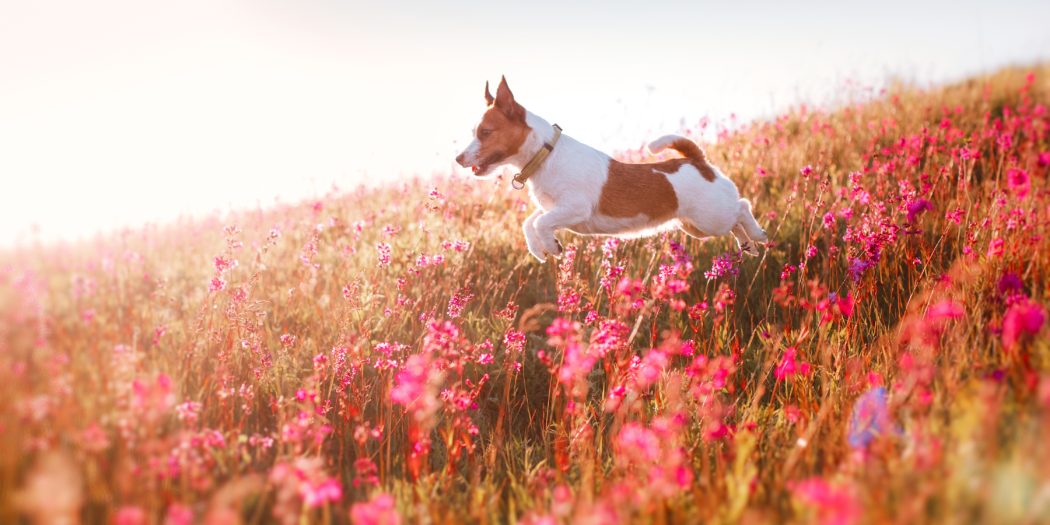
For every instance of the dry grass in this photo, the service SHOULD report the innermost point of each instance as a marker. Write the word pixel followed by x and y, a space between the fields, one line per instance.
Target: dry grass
pixel 316 381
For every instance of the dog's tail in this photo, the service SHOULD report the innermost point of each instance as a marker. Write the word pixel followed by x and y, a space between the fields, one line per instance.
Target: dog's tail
pixel 746 219
pixel 688 149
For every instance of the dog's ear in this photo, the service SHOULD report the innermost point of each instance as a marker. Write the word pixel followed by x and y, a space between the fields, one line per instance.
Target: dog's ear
pixel 488 96
pixel 505 102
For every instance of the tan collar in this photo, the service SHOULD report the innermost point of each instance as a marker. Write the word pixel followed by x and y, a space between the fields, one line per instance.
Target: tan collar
pixel 537 160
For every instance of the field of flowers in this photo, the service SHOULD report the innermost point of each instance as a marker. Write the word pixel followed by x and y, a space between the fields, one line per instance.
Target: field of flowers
pixel 396 356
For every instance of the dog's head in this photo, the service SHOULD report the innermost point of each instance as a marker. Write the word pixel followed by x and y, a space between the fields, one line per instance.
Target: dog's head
pixel 500 134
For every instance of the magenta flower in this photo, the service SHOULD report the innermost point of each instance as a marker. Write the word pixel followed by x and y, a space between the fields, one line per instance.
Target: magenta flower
pixel 317 495
pixel 829 220
pixel 857 267
pixel 130 515
pixel 1022 321
pixel 789 366
pixel 995 247
pixel 377 511
pixel 217 284
pixel 1018 181
pixel 410 381
pixel 835 505
pixel 458 303
pixel 721 266
pixel 384 253
pixel 946 309
pixel 845 304
pixel 178 514
pixel 1010 284
pixel 917 207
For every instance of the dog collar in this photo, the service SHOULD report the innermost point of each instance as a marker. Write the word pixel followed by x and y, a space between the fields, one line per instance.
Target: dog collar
pixel 537 159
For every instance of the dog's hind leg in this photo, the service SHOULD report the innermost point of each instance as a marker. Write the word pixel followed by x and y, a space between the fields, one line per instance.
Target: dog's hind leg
pixel 692 231
pixel 749 224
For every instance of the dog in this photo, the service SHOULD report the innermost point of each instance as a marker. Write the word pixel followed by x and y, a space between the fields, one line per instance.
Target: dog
pixel 583 190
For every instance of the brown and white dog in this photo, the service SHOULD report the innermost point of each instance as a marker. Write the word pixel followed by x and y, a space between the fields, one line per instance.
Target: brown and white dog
pixel 583 190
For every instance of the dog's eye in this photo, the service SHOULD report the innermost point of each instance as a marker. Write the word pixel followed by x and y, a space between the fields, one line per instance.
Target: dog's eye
pixel 482 133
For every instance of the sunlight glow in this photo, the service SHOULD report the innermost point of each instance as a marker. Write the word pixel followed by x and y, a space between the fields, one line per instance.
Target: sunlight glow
pixel 118 112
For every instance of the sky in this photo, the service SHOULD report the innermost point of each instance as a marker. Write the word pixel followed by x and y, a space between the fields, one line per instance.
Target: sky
pixel 114 113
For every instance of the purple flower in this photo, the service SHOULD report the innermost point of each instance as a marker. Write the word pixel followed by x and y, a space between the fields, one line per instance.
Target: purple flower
pixel 857 267
pixel 870 418
pixel 1010 284
pixel 721 266
pixel 917 207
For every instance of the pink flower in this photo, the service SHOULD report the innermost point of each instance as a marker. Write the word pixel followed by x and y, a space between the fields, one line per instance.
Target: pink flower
pixel 458 303
pixel 917 207
pixel 789 366
pixel 1022 321
pixel 377 511
pixel 316 495
pixel 829 220
pixel 946 309
pixel 130 515
pixel 178 514
pixel 1018 181
pixel 221 264
pixel 995 247
pixel 835 505
pixel 845 304
pixel 217 284
pixel 384 253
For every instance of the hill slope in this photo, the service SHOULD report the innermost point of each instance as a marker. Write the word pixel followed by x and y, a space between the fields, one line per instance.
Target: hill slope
pixel 396 354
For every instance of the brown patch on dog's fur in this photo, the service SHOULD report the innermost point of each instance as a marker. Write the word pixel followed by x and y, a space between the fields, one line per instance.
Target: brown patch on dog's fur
pixel 505 138
pixel 697 158
pixel 504 122
pixel 634 189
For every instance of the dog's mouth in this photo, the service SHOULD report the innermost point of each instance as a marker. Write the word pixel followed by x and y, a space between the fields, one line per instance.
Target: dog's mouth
pixel 484 165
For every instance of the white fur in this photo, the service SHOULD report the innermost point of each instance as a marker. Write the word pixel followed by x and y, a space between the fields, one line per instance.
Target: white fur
pixel 662 143
pixel 569 183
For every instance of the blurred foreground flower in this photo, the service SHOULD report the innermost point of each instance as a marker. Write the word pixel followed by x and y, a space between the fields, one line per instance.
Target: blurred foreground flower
pixel 870 418
pixel 1022 321
pixel 834 505
pixel 377 511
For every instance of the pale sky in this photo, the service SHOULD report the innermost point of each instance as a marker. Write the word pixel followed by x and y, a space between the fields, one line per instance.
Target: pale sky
pixel 118 112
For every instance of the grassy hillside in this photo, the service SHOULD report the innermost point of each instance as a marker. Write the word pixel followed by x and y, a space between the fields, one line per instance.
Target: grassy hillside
pixel 395 355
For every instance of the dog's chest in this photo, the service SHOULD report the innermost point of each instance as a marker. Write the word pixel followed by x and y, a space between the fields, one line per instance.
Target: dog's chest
pixel 544 199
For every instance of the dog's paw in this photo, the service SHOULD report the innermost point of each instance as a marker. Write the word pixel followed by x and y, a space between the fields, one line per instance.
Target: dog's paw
pixel 541 257
pixel 552 248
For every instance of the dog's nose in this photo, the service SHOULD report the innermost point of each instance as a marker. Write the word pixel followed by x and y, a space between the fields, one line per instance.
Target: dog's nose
pixel 459 160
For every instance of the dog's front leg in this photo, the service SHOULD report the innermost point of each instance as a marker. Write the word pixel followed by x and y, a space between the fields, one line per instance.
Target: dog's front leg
pixel 562 216
pixel 531 240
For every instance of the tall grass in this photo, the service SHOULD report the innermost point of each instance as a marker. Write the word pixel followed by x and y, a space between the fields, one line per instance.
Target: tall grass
pixel 394 355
